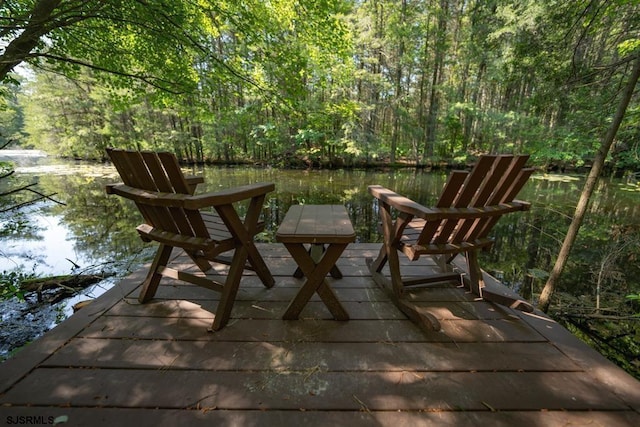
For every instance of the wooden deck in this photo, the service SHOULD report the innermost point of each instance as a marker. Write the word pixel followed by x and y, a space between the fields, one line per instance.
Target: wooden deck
pixel 117 362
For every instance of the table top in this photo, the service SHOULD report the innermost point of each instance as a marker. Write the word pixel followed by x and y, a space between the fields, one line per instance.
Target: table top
pixel 316 224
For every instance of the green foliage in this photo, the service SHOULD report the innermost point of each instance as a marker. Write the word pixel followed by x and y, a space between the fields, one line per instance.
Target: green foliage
pixel 10 284
pixel 635 298
pixel 11 114
pixel 427 80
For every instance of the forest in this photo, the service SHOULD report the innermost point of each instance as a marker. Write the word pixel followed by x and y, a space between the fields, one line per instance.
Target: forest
pixel 322 83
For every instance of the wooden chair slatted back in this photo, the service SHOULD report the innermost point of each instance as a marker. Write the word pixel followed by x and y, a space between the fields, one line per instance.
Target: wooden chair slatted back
pixel 159 172
pixel 493 180
pixel 487 224
pixel 128 165
pixel 492 191
pixel 447 197
pixel 466 194
pixel 176 179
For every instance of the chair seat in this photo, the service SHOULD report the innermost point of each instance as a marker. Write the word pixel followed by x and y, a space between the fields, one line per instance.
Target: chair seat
pixel 414 251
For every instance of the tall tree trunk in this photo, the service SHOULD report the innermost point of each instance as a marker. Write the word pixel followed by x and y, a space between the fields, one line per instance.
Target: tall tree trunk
pixel 422 119
pixel 434 102
pixel 395 136
pixel 587 191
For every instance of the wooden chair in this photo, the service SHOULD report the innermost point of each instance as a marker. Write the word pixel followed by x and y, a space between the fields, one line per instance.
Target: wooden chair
pixel 469 206
pixel 173 218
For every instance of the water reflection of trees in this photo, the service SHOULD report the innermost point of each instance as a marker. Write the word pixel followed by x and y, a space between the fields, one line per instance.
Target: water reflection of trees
pixel 104 226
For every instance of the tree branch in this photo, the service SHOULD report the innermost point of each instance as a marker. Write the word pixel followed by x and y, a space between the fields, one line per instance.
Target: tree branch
pixel 150 80
pixel 30 202
pixel 6 144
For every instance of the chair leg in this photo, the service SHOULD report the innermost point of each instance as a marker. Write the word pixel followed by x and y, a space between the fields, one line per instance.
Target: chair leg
pixel 477 285
pixel 379 262
pixel 476 281
pixel 443 262
pixel 394 270
pixel 389 254
pixel 150 284
pixel 230 288
pixel 259 266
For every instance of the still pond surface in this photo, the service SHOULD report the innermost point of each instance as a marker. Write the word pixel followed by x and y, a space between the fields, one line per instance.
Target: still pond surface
pixel 92 232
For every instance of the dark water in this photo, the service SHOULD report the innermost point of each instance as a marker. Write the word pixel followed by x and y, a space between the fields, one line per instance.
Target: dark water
pixel 93 228
pixel 96 232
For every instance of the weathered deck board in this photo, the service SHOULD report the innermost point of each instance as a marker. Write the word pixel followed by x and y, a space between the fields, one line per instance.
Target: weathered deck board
pixel 119 362
pixel 313 389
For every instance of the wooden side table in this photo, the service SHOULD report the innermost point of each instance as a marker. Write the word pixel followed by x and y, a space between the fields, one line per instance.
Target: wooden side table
pixel 328 231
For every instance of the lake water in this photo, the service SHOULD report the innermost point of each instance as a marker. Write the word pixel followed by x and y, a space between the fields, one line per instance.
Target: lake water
pixel 92 230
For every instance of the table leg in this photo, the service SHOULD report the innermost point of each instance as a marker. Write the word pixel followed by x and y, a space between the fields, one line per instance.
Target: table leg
pixel 315 251
pixel 315 271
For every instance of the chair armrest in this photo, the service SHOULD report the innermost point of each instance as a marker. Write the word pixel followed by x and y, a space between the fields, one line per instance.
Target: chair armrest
pixel 145 197
pixel 194 180
pixel 408 206
pixel 176 200
pixel 230 195
pixel 398 202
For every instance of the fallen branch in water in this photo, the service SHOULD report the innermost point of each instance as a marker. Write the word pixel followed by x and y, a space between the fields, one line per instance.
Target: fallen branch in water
pixel 41 196
pixel 66 284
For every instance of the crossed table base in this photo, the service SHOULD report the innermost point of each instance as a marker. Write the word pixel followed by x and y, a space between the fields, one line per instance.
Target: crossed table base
pixel 328 231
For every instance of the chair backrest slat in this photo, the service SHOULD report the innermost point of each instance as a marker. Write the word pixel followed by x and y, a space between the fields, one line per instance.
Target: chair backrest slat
pixel 470 188
pixel 159 172
pixel 447 197
pixel 494 180
pixel 491 189
pixel 163 183
pixel 180 185
pixel 485 226
pixel 474 181
pixel 120 160
pixel 492 185
pixel 176 177
pixel 510 174
pixel 509 178
pixel 451 188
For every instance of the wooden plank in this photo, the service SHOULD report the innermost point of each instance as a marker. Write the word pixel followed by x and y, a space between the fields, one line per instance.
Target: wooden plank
pixel 310 329
pixel 276 294
pixel 316 224
pixel 255 309
pixel 300 356
pixel 314 389
pixel 258 330
pixel 257 306
pixel 290 222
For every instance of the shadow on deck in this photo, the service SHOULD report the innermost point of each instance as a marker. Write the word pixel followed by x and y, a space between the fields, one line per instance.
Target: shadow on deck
pixel 117 362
